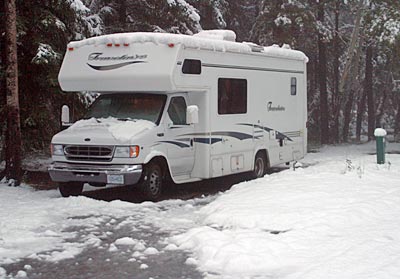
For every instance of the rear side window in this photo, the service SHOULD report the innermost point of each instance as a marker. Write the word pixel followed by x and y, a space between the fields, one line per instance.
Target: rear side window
pixel 191 66
pixel 293 86
pixel 232 96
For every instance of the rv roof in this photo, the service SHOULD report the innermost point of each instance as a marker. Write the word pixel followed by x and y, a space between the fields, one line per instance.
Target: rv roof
pixel 215 40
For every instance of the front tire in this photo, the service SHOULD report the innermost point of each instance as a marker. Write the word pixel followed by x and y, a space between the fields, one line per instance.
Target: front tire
pixel 68 189
pixel 260 166
pixel 152 182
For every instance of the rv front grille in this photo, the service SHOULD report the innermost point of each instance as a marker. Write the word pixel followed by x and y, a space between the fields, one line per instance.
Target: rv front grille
pixel 89 153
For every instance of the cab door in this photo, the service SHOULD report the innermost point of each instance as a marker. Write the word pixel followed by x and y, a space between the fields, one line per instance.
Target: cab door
pixel 179 137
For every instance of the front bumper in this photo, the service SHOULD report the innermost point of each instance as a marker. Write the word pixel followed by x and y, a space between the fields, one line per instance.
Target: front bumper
pixel 99 174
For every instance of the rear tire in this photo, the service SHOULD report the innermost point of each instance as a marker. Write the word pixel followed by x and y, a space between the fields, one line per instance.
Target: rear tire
pixel 260 165
pixel 68 189
pixel 152 182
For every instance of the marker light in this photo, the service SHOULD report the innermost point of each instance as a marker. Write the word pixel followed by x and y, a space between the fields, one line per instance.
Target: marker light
pixel 134 151
pixel 117 45
pixel 171 45
pixel 126 44
pixel 70 48
pixel 109 44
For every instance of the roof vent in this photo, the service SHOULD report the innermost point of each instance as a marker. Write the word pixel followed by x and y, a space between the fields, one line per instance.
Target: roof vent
pixel 222 35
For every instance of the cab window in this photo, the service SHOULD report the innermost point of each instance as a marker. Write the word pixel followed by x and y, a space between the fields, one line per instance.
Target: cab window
pixel 177 111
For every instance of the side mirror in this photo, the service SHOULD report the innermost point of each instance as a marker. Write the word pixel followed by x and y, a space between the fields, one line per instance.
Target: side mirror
pixel 192 114
pixel 65 120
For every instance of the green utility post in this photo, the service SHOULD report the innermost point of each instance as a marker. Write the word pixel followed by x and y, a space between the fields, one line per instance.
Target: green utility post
pixel 380 135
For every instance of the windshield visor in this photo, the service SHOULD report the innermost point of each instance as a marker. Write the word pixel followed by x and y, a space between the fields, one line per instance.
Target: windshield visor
pixel 128 106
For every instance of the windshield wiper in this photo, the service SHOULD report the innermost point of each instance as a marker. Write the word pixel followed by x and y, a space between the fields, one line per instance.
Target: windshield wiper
pixel 126 119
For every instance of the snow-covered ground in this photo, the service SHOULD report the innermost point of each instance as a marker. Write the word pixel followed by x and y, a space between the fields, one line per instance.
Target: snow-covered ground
pixel 337 217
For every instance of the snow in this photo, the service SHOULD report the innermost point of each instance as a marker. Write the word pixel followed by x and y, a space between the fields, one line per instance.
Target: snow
pixel 126 241
pixel 191 261
pixel 21 274
pixel 208 40
pixel 151 251
pixel 122 131
pixel 276 51
pixel 113 248
pixel 335 217
pixel 78 6
pixel 324 221
pixel 223 35
pixel 379 132
pixel 191 12
pixel 45 55
pixel 282 20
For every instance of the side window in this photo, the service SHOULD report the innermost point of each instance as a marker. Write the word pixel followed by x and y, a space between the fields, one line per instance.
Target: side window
pixel 293 86
pixel 191 66
pixel 177 110
pixel 232 96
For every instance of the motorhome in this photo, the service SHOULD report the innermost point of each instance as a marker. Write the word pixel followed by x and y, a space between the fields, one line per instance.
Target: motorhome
pixel 179 107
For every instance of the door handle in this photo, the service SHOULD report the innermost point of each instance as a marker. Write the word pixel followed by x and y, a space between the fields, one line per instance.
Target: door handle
pixel 191 142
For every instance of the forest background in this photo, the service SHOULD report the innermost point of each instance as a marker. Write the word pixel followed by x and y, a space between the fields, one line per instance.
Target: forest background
pixel 353 47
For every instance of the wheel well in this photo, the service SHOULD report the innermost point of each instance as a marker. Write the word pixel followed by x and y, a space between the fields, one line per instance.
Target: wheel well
pixel 162 162
pixel 264 152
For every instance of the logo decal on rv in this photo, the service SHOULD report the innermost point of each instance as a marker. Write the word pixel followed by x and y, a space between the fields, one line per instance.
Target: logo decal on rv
pixel 114 66
pixel 270 107
pixel 278 135
pixel 129 59
pixel 98 56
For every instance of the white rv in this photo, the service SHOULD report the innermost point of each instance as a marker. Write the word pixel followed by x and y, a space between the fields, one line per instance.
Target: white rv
pixel 179 107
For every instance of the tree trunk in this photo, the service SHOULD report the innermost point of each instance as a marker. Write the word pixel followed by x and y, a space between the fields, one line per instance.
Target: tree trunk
pixel 324 120
pixel 369 92
pixel 360 114
pixel 397 121
pixel 2 89
pixel 122 15
pixel 13 135
pixel 381 104
pixel 347 115
pixel 336 100
pixel 349 78
pixel 355 36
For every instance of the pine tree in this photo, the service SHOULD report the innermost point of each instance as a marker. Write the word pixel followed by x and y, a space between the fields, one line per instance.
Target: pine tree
pixel 44 29
pixel 148 16
pixel 382 22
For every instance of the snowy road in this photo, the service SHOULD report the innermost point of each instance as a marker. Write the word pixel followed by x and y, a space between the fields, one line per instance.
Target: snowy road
pixel 338 218
pixel 123 247
pixel 90 237
pixel 51 237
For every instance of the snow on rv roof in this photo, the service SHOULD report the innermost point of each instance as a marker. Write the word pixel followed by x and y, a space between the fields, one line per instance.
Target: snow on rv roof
pixel 215 40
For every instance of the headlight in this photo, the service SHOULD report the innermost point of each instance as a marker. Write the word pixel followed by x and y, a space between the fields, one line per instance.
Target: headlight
pixel 126 151
pixel 57 149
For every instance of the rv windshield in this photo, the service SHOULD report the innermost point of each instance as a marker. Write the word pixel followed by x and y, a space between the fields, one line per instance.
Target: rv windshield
pixel 128 106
